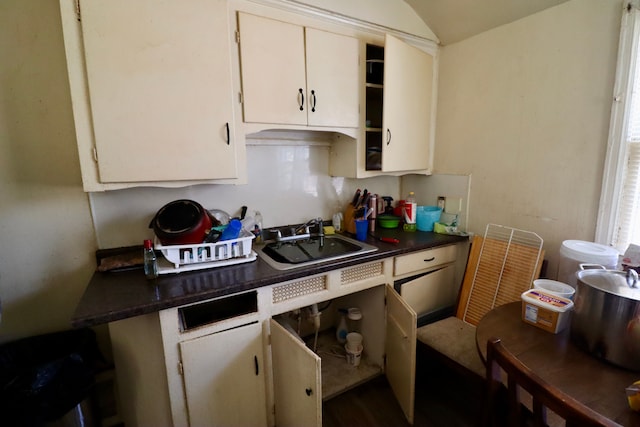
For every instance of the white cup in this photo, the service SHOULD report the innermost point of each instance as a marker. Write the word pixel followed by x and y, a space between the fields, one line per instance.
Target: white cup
pixel 354 340
pixel 353 355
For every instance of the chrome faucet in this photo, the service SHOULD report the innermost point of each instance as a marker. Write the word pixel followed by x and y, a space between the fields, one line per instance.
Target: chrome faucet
pixel 302 232
pixel 306 227
pixel 318 223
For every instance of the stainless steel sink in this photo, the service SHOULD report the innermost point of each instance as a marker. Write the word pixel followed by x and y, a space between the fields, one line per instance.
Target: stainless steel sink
pixel 304 252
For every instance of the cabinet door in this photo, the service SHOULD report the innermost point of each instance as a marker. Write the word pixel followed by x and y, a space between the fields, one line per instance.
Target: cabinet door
pixel 297 380
pixel 430 258
pixel 273 71
pixel 332 79
pixel 159 80
pixel 401 351
pixel 432 291
pixel 408 87
pixel 224 378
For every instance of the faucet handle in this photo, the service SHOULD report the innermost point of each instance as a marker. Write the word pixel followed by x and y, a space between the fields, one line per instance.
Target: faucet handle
pixel 277 233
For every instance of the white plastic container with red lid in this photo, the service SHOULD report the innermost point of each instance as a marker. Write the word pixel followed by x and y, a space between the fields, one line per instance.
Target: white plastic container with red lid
pixel 546 310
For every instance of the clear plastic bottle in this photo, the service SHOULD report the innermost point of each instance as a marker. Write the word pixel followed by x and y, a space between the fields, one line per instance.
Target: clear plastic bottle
pixel 410 211
pixel 257 228
pixel 150 260
pixel 336 221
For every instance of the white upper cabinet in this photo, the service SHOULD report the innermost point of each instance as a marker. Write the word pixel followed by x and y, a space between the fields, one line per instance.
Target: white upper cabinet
pixel 332 79
pixel 292 75
pixel 397 136
pixel 406 112
pixel 273 71
pixel 152 90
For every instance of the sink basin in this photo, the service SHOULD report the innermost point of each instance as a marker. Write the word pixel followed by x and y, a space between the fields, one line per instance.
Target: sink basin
pixel 300 253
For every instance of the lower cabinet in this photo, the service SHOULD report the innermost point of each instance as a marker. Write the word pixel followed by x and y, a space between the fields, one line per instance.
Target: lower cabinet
pixel 430 292
pixel 239 360
pixel 214 355
pixel 303 378
pixel 224 380
pixel 429 280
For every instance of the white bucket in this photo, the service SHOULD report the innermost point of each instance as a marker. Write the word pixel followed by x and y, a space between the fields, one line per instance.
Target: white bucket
pixel 576 252
pixel 353 355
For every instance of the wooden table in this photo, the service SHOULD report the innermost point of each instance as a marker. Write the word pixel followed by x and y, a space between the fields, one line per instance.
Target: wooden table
pixel 596 383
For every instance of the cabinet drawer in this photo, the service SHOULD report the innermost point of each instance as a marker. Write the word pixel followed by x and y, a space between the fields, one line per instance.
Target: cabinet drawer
pixel 217 310
pixel 430 292
pixel 424 259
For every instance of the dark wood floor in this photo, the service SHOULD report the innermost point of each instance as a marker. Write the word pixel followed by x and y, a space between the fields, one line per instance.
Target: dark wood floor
pixel 444 398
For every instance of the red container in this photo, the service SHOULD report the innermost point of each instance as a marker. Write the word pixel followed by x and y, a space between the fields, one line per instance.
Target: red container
pixel 399 209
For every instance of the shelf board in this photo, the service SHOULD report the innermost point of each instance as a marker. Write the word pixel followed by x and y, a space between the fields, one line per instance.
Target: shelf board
pixel 373 129
pixel 374 85
pixel 337 375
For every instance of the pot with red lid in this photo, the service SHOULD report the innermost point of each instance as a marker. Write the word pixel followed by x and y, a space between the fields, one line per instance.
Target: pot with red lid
pixel 182 222
pixel 606 316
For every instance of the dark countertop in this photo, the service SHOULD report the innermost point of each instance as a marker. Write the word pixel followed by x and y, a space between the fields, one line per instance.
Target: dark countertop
pixel 120 295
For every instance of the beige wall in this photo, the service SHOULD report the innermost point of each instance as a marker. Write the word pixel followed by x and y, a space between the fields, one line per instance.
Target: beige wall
pixel 47 236
pixel 524 109
pixel 46 233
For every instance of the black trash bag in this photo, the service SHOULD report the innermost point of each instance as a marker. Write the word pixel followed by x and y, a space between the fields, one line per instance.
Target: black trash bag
pixel 44 377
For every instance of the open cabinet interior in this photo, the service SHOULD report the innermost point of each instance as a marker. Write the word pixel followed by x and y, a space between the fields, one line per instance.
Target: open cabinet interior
pixel 309 368
pixel 373 108
pixel 337 374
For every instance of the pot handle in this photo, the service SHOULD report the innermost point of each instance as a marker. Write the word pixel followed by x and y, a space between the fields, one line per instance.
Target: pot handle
pixel 592 267
pixel 632 278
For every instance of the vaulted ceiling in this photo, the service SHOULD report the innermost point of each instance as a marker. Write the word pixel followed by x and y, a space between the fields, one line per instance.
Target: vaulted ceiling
pixel 455 20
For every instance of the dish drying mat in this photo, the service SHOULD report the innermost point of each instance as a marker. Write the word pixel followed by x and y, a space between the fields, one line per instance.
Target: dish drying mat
pixel 501 266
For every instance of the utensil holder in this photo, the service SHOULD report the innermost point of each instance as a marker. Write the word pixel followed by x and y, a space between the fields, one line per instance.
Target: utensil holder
pixel 349 219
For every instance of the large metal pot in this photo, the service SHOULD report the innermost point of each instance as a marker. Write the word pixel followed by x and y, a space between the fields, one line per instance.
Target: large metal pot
pixel 606 317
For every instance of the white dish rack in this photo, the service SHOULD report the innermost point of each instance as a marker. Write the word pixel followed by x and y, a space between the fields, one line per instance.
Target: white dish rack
pixel 206 255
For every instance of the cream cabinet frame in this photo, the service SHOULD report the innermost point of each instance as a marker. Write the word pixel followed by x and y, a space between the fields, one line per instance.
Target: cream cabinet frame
pixel 295 75
pixel 164 360
pixel 147 107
